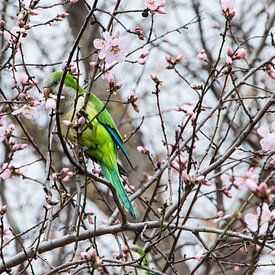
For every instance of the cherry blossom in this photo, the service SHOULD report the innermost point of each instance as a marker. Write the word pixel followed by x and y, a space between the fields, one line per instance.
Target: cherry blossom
pixel 261 219
pixel 156 6
pixel 268 138
pixel 112 47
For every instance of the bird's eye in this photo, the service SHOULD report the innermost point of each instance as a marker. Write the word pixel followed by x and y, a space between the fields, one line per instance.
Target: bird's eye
pixel 55 83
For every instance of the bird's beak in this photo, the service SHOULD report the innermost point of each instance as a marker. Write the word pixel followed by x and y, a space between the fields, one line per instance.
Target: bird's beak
pixel 46 92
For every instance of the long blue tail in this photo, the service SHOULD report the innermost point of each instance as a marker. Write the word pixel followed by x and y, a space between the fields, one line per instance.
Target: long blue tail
pixel 114 178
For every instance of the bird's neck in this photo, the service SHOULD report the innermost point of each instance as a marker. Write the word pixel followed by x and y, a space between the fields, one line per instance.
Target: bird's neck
pixel 69 103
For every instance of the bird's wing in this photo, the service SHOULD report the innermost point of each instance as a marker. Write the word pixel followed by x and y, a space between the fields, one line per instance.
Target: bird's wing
pixel 96 106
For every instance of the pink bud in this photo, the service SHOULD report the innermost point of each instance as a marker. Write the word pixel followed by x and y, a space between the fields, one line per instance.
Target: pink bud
pixel 141 61
pixel 228 60
pixel 179 58
pixel 262 187
pixel 161 10
pixel 168 58
pixel 202 56
pixel 65 170
pixel 143 149
pixel 154 77
pixel 144 54
pixel 92 64
pixel 185 176
pixel 11 127
pixel 68 123
pixel 199 257
pixel 67 179
pixel 117 222
pixel 3 209
pixel 70 174
pixel 229 51
pixel 240 54
pixel 119 85
pixel 91 253
pixel 236 268
pixel 2 23
pixel 18 147
pixel 228 7
pixel 273 253
pixel 73 1
pixel 82 120
pixel 11 141
pixel 91 220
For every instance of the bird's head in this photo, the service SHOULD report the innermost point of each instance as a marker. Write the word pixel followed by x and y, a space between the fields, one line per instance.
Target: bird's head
pixel 52 82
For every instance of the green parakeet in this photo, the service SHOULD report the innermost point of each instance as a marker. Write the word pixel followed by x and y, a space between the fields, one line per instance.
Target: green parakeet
pixel 99 137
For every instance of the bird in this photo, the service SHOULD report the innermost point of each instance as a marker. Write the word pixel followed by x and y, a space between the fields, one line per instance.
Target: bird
pixel 99 137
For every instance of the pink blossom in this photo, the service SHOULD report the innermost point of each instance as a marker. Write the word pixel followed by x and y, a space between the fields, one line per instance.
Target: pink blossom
pixel 155 6
pixel 228 8
pixel 202 56
pixel 73 1
pixel 273 253
pixel 240 54
pixel 268 140
pixel 112 47
pixel 265 216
